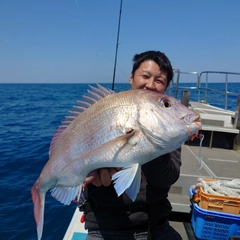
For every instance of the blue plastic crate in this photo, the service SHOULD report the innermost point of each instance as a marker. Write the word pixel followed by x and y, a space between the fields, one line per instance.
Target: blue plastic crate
pixel 213 225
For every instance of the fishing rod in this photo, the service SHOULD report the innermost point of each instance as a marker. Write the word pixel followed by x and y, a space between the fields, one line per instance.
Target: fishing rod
pixel 115 62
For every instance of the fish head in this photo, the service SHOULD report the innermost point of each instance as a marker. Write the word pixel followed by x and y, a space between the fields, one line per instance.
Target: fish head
pixel 165 121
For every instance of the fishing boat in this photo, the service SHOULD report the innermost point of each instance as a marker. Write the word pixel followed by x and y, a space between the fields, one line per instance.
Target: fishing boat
pixel 217 158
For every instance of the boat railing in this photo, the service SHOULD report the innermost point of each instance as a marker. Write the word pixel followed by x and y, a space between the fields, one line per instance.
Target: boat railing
pixel 175 88
pixel 191 86
pixel 203 91
pixel 207 90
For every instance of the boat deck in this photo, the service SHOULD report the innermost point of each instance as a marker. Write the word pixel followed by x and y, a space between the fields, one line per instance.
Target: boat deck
pixel 216 163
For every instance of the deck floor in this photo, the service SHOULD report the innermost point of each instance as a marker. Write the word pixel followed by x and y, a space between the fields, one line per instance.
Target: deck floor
pixel 212 163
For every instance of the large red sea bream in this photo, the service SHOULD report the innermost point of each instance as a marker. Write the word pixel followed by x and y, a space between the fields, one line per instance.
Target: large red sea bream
pixel 108 129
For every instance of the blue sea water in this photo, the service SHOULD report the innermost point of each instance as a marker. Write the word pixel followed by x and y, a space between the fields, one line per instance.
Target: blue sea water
pixel 30 114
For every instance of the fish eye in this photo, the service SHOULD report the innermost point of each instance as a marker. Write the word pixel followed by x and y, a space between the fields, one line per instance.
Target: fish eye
pixel 165 103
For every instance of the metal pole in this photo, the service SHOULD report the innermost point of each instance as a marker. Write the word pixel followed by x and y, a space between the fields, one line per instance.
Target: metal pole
pixel 115 62
pixel 206 88
pixel 226 92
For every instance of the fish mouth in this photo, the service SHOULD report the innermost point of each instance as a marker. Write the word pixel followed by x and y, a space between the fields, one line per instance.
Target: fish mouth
pixel 197 122
pixel 193 125
pixel 191 118
pixel 197 119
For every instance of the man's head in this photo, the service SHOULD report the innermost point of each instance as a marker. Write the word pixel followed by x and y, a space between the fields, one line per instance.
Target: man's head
pixel 151 70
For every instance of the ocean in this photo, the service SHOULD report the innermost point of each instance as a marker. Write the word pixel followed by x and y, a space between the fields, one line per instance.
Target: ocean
pixel 30 114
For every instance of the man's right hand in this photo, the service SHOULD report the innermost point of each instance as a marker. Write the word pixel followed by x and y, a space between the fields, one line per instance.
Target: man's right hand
pixel 101 176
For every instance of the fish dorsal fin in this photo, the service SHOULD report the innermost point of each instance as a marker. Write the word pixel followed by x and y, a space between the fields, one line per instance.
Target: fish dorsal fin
pixel 93 96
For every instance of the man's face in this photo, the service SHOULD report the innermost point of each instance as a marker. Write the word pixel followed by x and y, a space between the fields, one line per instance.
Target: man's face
pixel 149 76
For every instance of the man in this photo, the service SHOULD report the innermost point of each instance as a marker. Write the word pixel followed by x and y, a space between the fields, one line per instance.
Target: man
pixel 108 216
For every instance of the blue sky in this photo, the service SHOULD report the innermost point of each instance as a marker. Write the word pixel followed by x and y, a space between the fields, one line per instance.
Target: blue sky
pixel 74 41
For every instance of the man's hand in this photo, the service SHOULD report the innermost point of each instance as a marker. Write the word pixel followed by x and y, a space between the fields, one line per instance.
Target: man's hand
pixel 101 176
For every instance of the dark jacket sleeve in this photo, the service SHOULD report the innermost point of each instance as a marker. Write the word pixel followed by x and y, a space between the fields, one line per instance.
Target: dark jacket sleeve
pixel 163 171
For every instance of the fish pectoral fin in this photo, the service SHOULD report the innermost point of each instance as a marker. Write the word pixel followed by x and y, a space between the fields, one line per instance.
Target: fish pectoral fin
pixel 66 194
pixel 128 179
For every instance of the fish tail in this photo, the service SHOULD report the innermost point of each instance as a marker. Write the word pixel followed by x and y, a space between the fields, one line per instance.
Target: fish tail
pixel 38 199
